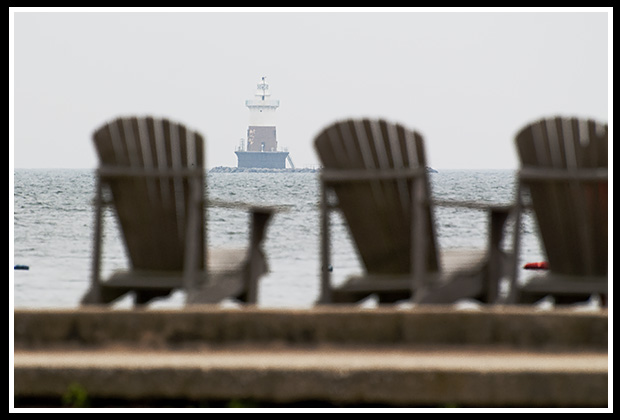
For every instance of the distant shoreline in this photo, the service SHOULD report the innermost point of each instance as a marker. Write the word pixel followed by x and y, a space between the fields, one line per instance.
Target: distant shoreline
pixel 228 169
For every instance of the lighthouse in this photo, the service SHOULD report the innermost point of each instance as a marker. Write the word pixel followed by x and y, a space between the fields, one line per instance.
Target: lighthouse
pixel 262 127
pixel 261 145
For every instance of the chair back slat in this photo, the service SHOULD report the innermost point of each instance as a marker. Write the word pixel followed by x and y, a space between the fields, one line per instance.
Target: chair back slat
pixel 152 210
pixel 378 210
pixel 571 212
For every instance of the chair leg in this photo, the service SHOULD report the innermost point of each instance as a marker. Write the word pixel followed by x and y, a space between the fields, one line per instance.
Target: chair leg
pixel 326 294
pixel 257 265
pixel 498 260
pixel 94 293
pixel 513 291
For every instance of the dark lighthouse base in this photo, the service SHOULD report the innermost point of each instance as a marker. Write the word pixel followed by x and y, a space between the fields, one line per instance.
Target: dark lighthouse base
pixel 267 160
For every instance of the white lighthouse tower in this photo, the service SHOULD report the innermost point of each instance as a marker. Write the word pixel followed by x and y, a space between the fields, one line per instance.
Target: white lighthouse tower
pixel 262 126
pixel 261 145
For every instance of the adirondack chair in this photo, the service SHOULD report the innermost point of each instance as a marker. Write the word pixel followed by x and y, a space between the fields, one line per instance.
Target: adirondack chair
pixel 375 173
pixel 152 172
pixel 563 179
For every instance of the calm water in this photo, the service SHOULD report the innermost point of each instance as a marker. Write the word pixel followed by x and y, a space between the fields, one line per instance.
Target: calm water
pixel 53 217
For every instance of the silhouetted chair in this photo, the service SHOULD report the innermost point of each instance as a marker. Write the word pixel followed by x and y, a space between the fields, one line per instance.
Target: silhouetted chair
pixel 375 173
pixel 563 179
pixel 152 172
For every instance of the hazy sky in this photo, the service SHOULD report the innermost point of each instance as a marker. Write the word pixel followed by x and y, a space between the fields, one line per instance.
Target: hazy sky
pixel 466 80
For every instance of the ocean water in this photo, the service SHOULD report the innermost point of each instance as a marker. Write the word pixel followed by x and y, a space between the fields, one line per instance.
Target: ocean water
pixel 53 219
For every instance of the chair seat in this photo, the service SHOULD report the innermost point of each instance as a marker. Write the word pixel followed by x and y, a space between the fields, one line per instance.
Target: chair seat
pixel 455 262
pixel 564 284
pixel 220 261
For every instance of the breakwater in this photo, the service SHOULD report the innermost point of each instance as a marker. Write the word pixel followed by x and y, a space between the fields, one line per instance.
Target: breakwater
pixel 435 356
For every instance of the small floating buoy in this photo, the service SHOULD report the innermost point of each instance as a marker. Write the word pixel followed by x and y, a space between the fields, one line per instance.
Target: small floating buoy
pixel 21 267
pixel 536 266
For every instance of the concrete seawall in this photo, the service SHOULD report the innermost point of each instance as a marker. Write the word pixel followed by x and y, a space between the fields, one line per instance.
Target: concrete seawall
pixel 426 356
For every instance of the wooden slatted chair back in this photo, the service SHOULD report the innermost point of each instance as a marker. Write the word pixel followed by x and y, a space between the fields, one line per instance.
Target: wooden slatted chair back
pixel 149 164
pixel 375 163
pixel 564 166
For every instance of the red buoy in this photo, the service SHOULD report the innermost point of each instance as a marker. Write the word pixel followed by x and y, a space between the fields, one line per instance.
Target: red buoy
pixel 536 266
